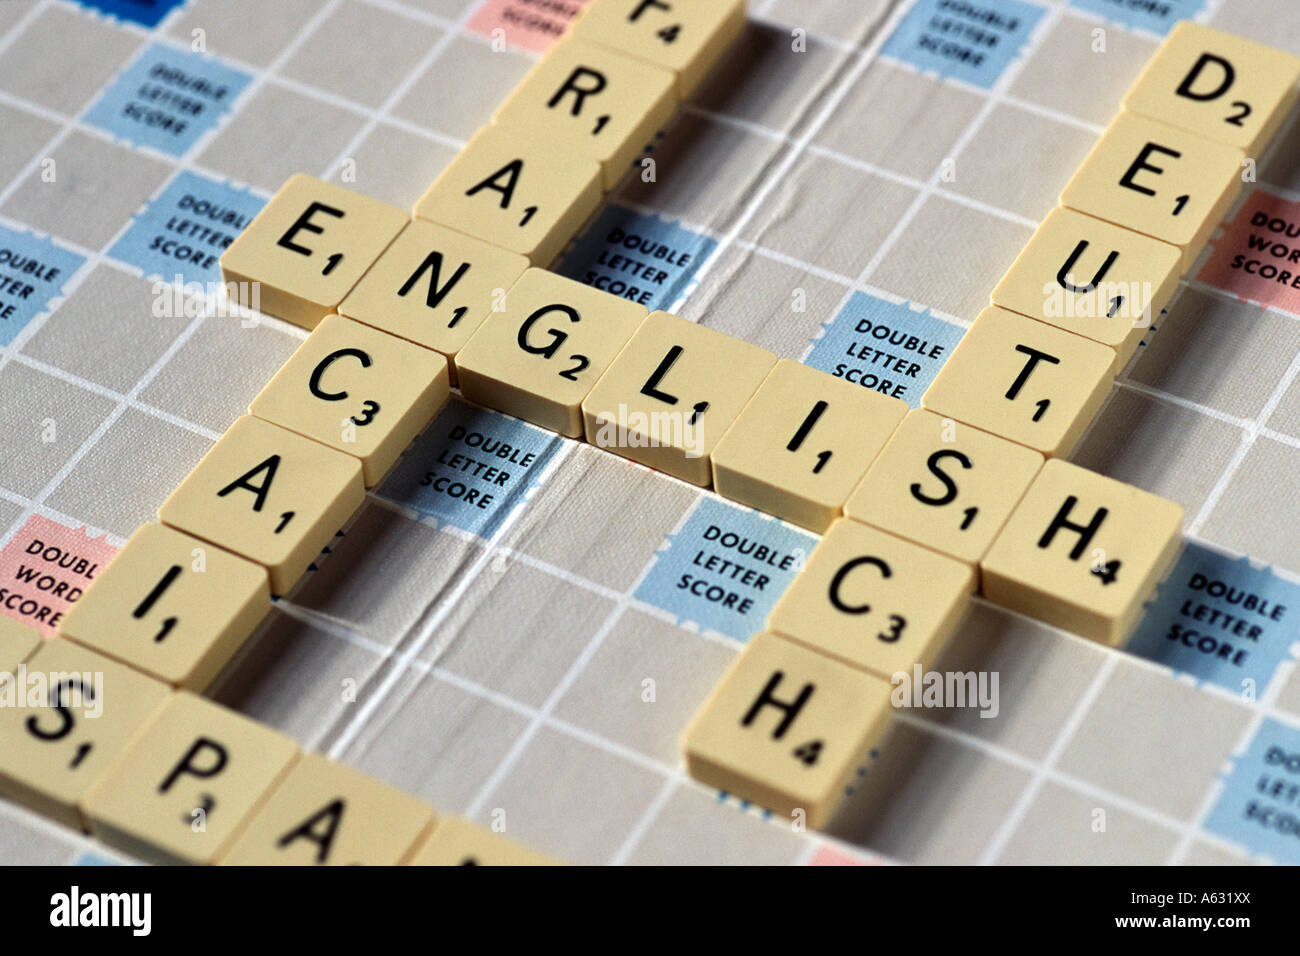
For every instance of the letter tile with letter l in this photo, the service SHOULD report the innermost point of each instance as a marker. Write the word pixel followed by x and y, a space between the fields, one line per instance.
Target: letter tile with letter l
pixel 1083 552
pixel 787 728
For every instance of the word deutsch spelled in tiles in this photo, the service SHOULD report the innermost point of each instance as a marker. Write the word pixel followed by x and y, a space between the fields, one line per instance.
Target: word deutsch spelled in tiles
pixel 269 495
pixel 518 192
pixel 671 394
pixel 307 248
pixel 70 713
pixel 684 36
pixel 457 842
pixel 172 606
pixel 1217 85
pixel 945 485
pixel 17 641
pixel 326 814
pixel 1023 380
pixel 356 389
pixel 1083 551
pixel 874 601
pixel 1158 180
pixel 801 444
pixel 1092 278
pixel 433 286
pixel 190 779
pixel 592 101
pixel 540 356
pixel 787 728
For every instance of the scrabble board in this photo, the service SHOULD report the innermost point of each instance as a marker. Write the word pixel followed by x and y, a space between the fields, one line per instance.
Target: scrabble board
pixel 517 626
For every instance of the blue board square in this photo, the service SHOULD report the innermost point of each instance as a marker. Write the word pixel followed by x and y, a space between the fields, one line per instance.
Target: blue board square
pixel 969 40
pixel 33 271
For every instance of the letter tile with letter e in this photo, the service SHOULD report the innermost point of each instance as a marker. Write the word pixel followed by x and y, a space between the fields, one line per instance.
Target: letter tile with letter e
pixel 520 193
pixel 187 783
pixel 671 394
pixel 802 443
pixel 1158 180
pixel 172 606
pixel 1218 86
pixel 269 495
pixel 787 728
pixel 1083 552
pixel 540 356
pixel 307 248
pixel 1023 380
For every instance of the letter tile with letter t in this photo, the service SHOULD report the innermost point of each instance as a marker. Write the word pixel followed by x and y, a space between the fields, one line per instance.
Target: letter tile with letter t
pixel 1083 552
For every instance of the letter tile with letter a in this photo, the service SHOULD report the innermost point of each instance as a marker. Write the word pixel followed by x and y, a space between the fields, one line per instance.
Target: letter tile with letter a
pixel 269 495
pixel 1023 380
pixel 307 248
pixel 517 192
pixel 787 728
pixel 539 357
pixel 188 782
pixel 1158 180
pixel 172 606
pixel 1218 86
pixel 1083 552
pixel 326 814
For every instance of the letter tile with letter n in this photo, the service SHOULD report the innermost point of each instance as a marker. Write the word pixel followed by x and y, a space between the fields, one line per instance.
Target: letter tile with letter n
pixel 1217 85
pixel 517 192
pixel 874 601
pixel 593 101
pixel 433 286
pixel 307 248
pixel 1083 552
pixel 1092 278
pixel 671 394
pixel 539 357
pixel 172 606
pixel 685 36
pixel 269 495
pixel 943 484
pixel 802 443
pixel 187 783
pixel 359 390
pixel 68 722
pixel 1158 180
pixel 326 814
pixel 787 728
pixel 457 842
pixel 1023 380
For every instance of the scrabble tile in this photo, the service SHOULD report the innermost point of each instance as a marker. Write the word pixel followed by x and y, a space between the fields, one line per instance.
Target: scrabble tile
pixel 433 286
pixel 1218 86
pixel 1082 551
pixel 672 393
pixel 73 712
pixel 802 443
pixel 269 495
pixel 307 248
pixel 187 783
pixel 517 191
pixel 17 641
pixel 945 485
pixel 1158 180
pixel 1092 278
pixel 538 359
pixel 873 600
pixel 326 814
pixel 685 36
pixel 594 101
pixel 359 390
pixel 786 728
pixel 457 842
pixel 1023 380
pixel 172 606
